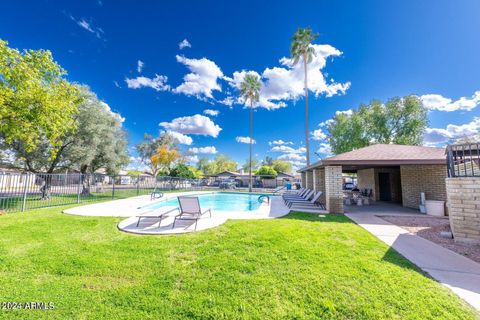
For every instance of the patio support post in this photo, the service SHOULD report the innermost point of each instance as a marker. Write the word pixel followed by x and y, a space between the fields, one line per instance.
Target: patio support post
pixel 309 179
pixel 304 177
pixel 319 182
pixel 333 189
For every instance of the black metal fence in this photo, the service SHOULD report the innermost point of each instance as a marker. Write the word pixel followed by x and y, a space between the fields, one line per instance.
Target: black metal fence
pixel 463 160
pixel 25 191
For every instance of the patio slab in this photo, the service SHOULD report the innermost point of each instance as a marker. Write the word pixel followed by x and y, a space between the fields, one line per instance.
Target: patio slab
pixel 452 270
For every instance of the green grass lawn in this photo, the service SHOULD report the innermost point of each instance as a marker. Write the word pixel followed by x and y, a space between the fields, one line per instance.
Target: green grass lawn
pixel 300 266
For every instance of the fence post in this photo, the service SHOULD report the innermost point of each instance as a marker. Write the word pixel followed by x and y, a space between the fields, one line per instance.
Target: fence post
pixel 25 189
pixel 78 187
pixel 138 183
pixel 113 187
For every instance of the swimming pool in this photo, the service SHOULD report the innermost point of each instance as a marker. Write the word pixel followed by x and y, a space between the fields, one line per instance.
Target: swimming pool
pixel 221 201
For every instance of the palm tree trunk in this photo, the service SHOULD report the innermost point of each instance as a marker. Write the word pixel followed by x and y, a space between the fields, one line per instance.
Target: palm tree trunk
pixel 251 134
pixel 307 147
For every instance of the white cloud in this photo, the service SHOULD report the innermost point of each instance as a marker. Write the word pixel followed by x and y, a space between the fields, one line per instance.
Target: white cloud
pixel 318 135
pixel 140 65
pixel 286 149
pixel 204 150
pixel 202 80
pixel 192 159
pixel 285 83
pixel 136 164
pixel 116 115
pixel 184 44
pixel 279 142
pixel 196 124
pixel 440 103
pixel 180 138
pixel 87 25
pixel 245 140
pixel 292 157
pixel 210 112
pixel 228 101
pixel 159 83
pixel 435 136
pixel 325 149
pixel 348 112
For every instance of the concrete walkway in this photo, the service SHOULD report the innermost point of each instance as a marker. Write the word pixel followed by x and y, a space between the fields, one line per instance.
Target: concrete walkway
pixel 454 271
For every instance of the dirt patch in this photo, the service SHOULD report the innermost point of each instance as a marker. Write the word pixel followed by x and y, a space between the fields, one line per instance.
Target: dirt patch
pixel 429 228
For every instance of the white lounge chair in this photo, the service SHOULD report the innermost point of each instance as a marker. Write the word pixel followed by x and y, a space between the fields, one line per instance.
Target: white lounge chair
pixel 300 194
pixel 306 196
pixel 190 210
pixel 314 203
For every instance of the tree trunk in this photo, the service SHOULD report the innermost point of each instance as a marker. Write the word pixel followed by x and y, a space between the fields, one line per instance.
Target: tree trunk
pixel 251 136
pixel 85 179
pixel 307 147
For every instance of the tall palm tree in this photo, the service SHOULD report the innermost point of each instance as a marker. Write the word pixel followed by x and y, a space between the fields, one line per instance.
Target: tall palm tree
pixel 250 92
pixel 301 49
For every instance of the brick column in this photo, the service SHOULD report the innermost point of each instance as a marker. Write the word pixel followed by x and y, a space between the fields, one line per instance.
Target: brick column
pixel 319 182
pixel 333 189
pixel 309 179
pixel 464 208
pixel 304 179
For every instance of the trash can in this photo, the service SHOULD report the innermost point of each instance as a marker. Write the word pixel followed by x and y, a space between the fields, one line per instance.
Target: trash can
pixel 435 208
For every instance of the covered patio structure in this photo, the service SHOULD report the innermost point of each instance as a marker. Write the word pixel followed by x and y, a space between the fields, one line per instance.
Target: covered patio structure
pixel 390 173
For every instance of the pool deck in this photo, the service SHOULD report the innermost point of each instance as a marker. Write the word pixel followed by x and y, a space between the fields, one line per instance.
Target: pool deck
pixel 130 208
pixel 122 207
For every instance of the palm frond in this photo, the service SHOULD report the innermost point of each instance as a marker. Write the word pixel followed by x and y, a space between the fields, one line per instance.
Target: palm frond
pixel 250 88
pixel 301 44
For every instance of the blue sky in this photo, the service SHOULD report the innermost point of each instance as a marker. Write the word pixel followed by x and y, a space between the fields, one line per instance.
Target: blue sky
pixel 367 49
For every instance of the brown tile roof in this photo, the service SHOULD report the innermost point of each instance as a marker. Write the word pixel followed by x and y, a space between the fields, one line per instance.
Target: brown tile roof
pixel 386 154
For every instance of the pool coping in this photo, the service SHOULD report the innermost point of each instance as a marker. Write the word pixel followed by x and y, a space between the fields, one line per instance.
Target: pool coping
pixel 130 208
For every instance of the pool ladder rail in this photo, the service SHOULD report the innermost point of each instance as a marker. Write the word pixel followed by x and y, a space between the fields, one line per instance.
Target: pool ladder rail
pixel 264 197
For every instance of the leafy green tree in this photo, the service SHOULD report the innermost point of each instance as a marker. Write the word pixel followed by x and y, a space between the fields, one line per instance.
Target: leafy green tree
pixel 267 172
pixel 37 104
pixel 203 165
pixel 268 161
pixel 149 147
pixel 183 171
pixel 224 163
pixel 134 173
pixel 219 164
pixel 347 132
pixel 282 166
pixel 398 121
pixel 250 92
pixel 254 164
pixel 301 49
pixel 98 142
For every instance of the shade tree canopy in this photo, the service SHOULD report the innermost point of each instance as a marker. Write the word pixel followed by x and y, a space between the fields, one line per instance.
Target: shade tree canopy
pixel 37 104
pixel 219 164
pixel 97 141
pixel 149 148
pixel 266 172
pixel 398 121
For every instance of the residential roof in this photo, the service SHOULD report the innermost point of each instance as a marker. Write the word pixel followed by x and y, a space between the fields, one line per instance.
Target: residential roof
pixel 385 154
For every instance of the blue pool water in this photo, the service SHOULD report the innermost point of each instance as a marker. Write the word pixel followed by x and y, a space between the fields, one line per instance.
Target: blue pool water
pixel 222 201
